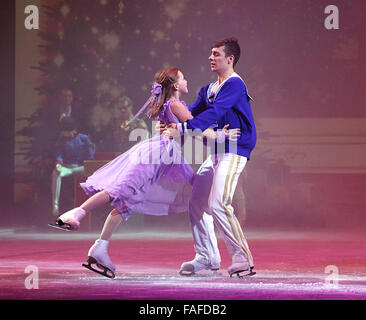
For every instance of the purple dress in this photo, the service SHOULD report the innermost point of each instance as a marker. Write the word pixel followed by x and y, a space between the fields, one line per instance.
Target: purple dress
pixel 151 178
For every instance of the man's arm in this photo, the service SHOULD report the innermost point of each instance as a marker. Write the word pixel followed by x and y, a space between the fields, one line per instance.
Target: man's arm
pixel 229 95
pixel 199 105
pixel 90 149
pixel 59 152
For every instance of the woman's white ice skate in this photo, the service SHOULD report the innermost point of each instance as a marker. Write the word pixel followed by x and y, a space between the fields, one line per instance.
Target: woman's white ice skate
pixel 70 220
pixel 98 255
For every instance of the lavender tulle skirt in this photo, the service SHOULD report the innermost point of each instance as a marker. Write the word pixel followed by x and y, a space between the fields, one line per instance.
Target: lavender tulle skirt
pixel 151 178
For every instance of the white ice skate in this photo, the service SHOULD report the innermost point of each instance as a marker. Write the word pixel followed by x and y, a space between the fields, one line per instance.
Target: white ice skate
pixel 98 255
pixel 70 220
pixel 197 264
pixel 241 268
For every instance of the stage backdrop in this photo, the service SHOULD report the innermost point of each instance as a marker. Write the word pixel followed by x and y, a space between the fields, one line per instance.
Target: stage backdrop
pixel 308 85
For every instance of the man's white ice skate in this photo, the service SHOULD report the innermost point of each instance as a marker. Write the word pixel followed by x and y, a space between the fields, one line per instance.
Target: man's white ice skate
pixel 70 220
pixel 197 264
pixel 98 255
pixel 241 269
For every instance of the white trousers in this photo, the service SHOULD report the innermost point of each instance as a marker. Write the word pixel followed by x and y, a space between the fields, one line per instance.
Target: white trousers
pixel 210 205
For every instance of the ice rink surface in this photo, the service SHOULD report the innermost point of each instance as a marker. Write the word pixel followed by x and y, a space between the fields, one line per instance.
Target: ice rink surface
pixel 290 265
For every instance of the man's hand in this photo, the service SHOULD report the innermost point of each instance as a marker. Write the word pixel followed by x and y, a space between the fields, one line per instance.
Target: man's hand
pixel 160 127
pixel 231 134
pixel 173 126
pixel 64 171
pixel 172 131
pixel 58 166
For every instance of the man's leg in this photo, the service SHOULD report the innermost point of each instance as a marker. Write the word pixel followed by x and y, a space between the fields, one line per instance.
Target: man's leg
pixel 239 200
pixel 55 189
pixel 56 179
pixel 77 170
pixel 202 225
pixel 227 172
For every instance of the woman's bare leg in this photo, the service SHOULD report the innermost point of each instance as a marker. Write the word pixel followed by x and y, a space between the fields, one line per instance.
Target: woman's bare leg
pixel 98 253
pixel 70 220
pixel 96 201
pixel 111 224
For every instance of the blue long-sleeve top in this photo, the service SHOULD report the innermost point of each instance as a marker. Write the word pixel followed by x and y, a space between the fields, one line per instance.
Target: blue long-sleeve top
pixel 230 105
pixel 75 150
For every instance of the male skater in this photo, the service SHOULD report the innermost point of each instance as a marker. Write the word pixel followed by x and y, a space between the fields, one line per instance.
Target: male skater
pixel 224 102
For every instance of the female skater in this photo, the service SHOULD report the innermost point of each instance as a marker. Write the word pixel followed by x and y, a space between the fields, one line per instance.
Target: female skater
pixel 151 178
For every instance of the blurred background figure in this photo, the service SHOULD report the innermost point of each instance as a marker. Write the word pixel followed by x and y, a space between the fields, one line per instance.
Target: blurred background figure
pixel 72 149
pixel 65 100
pixel 66 108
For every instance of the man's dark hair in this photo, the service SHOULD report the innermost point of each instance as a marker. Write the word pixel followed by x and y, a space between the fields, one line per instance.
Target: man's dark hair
pixel 231 48
pixel 68 124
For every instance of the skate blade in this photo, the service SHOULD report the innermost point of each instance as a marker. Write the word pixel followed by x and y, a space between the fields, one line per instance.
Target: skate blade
pixel 105 271
pixel 240 275
pixel 189 273
pixel 65 227
pixel 187 270
pixel 186 273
